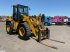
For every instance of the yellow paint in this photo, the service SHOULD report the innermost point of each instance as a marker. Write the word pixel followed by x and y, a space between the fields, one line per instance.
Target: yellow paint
pixel 8 28
pixel 16 24
pixel 10 18
pixel 21 31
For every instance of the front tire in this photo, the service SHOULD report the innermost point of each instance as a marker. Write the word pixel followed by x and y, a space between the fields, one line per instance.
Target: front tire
pixel 23 31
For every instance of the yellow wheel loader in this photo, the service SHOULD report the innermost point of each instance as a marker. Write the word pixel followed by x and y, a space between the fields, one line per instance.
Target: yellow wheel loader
pixel 24 25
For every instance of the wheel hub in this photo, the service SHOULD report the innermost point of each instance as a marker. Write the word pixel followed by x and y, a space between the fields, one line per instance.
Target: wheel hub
pixel 8 28
pixel 21 31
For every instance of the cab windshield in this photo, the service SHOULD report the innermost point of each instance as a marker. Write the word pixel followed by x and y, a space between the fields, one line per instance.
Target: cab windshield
pixel 23 10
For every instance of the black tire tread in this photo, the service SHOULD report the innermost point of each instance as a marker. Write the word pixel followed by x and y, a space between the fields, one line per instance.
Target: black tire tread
pixel 10 32
pixel 27 30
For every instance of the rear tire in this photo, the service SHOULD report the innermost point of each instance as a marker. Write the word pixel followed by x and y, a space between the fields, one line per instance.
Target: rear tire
pixel 8 28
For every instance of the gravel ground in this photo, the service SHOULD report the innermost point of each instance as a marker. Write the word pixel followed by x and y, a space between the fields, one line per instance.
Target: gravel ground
pixel 59 41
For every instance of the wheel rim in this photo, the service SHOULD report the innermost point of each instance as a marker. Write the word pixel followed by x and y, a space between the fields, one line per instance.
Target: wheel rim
pixel 21 31
pixel 8 28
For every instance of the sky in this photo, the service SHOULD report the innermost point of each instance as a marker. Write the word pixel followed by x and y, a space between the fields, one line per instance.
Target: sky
pixel 47 7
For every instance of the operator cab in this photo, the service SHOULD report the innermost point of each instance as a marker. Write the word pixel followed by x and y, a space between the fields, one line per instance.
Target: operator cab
pixel 18 10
